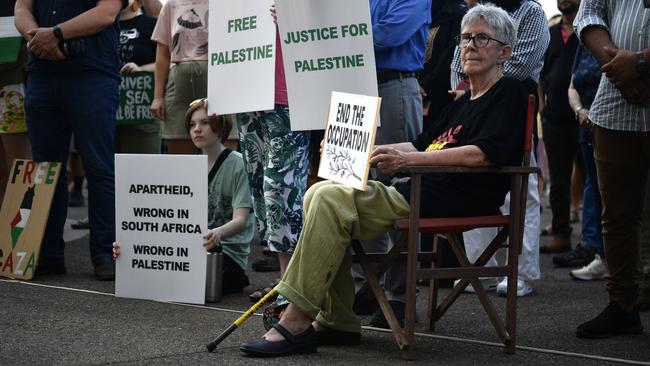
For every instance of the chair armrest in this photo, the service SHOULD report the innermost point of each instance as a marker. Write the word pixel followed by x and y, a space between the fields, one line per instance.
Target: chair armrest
pixel 430 169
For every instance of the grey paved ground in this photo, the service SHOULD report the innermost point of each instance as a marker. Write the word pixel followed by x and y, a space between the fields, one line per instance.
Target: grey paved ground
pixel 74 319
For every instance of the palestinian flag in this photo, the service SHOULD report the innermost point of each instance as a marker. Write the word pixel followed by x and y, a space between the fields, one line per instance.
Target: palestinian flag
pixel 10 40
pixel 20 220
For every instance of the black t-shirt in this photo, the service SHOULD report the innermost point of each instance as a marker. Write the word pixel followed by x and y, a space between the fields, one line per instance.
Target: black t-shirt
pixel 99 49
pixel 135 40
pixel 495 123
pixel 556 76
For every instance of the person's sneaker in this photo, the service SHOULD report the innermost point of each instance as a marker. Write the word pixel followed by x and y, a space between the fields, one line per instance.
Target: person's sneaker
pixel 558 244
pixel 612 321
pixel 489 284
pixel 593 271
pixel 523 288
pixel 578 257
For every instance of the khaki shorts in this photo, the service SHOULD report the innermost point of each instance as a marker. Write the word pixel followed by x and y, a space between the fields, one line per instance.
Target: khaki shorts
pixel 187 81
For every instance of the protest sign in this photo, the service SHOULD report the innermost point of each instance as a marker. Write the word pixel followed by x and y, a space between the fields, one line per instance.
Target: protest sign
pixel 326 46
pixel 10 40
pixel 136 94
pixel 349 139
pixel 241 67
pixel 24 214
pixel 161 212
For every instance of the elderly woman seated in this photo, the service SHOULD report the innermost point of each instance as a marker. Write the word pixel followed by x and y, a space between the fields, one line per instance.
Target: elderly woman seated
pixel 482 128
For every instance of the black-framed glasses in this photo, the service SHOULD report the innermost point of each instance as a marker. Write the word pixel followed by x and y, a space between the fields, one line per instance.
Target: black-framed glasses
pixel 480 40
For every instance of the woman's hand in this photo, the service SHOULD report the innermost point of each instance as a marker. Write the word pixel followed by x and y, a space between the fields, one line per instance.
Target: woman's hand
pixel 130 67
pixel 116 250
pixel 158 108
pixel 211 238
pixel 389 159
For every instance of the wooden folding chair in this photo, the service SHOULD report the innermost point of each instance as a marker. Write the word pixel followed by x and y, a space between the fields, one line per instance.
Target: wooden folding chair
pixel 510 226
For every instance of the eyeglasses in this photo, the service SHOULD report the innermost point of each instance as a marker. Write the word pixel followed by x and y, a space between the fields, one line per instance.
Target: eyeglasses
pixel 480 40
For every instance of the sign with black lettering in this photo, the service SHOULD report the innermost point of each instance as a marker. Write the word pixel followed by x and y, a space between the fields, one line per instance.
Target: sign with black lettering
pixel 161 212
pixel 326 46
pixel 24 214
pixel 136 94
pixel 349 139
pixel 241 66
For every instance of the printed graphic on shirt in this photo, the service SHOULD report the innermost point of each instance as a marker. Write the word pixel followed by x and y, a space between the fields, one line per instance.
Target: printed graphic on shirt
pixel 126 48
pixel 447 137
pixel 195 32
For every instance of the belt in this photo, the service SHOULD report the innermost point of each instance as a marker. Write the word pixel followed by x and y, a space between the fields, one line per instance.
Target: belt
pixel 384 76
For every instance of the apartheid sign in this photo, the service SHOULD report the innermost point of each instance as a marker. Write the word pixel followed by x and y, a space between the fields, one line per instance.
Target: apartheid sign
pixel 241 67
pixel 161 214
pixel 24 214
pixel 136 94
pixel 326 46
pixel 349 139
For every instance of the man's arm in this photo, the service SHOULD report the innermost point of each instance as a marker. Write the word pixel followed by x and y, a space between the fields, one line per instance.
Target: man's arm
pixel 24 19
pixel 532 40
pixel 44 41
pixel 92 21
pixel 403 19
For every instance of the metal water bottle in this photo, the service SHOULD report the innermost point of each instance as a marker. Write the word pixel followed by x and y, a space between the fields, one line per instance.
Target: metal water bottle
pixel 214 271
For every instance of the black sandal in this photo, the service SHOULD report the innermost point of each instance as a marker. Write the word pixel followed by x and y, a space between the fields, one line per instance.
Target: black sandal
pixel 305 342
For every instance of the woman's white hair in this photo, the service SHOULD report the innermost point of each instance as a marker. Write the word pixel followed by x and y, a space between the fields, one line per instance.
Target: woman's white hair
pixel 497 19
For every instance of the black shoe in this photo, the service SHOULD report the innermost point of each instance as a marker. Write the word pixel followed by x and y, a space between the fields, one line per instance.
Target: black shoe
pixel 104 269
pixel 335 337
pixel 76 199
pixel 48 267
pixel 612 321
pixel 266 265
pixel 581 256
pixel 305 342
pixel 379 321
pixel 365 302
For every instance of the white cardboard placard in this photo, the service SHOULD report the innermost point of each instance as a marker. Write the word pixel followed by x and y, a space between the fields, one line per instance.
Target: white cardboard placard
pixel 241 64
pixel 326 46
pixel 161 212
pixel 349 139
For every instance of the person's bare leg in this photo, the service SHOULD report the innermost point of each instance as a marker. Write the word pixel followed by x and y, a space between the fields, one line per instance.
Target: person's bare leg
pixel 284 259
pixel 180 146
pixel 294 320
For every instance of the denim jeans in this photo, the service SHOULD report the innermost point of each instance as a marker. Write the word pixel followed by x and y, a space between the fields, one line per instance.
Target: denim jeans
pixel 83 104
pixel 592 229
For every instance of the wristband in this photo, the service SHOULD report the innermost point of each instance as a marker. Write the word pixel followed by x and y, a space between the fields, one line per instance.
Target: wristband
pixel 58 33
pixel 577 112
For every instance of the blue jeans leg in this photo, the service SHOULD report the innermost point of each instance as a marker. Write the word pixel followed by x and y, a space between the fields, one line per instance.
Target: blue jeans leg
pixel 50 137
pixel 592 207
pixel 91 114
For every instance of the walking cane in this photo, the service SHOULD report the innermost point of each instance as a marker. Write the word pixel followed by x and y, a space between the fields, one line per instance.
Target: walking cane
pixel 213 345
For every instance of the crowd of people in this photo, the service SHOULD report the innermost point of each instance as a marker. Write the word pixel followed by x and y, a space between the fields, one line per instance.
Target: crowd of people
pixel 453 76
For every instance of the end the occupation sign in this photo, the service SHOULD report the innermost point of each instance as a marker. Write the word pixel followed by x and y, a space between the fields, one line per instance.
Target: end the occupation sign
pixel 161 212
pixel 326 46
pixel 349 139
